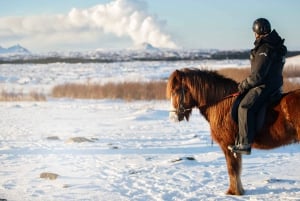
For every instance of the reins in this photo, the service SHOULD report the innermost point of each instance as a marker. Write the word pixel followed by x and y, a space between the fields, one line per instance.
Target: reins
pixel 232 95
pixel 228 96
pixel 182 110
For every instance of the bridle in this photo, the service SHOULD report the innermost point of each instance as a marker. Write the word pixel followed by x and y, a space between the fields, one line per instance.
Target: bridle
pixel 181 109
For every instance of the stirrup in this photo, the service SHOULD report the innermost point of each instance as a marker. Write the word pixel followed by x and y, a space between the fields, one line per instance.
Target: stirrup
pixel 240 149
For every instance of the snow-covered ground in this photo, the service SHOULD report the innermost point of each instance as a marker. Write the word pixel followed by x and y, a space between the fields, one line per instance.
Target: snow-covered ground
pixel 117 150
pixel 42 77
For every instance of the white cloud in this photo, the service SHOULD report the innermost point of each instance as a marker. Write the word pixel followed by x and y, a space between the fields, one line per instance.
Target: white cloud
pixel 119 20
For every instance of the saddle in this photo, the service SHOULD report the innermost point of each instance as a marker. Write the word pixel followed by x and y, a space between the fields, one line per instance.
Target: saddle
pixel 260 116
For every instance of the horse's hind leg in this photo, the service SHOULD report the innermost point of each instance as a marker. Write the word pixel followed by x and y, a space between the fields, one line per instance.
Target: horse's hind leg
pixel 234 166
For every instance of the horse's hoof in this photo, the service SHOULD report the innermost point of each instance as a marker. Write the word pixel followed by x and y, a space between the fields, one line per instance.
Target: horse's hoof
pixel 231 192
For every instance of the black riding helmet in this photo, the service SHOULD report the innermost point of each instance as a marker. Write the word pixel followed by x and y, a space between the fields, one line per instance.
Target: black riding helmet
pixel 261 26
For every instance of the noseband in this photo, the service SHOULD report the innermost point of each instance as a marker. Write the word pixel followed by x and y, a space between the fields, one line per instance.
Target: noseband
pixel 181 109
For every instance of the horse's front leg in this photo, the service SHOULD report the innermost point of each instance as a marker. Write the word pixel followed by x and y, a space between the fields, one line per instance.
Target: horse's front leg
pixel 234 166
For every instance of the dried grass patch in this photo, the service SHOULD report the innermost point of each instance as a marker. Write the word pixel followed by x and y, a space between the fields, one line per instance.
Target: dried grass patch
pixel 12 96
pixel 153 90
pixel 239 74
pixel 125 90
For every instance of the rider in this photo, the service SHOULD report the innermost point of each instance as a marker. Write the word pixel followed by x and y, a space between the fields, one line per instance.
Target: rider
pixel 267 60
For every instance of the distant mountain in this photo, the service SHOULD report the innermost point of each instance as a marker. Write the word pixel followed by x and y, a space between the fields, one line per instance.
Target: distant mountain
pixel 16 49
pixel 146 47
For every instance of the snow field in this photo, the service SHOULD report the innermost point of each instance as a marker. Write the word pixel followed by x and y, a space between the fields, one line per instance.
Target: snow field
pixel 116 150
pixel 132 152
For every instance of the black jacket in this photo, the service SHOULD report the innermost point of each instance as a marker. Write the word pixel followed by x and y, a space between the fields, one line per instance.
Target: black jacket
pixel 267 60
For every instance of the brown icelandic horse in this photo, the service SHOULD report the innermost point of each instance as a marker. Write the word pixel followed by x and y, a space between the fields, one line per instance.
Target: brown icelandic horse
pixel 211 93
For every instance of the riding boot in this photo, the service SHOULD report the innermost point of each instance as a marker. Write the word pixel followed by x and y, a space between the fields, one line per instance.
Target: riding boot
pixel 240 148
pixel 246 124
pixel 242 145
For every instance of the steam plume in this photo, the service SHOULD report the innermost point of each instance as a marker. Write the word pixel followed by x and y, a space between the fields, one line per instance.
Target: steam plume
pixel 120 18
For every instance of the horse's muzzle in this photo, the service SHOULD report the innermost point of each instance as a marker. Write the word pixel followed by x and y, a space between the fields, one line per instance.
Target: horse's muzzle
pixel 173 116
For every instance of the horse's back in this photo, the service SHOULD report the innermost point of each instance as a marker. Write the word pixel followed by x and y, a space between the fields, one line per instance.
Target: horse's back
pixel 290 106
pixel 282 123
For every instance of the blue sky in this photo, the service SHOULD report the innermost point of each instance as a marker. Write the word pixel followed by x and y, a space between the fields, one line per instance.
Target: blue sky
pixel 46 25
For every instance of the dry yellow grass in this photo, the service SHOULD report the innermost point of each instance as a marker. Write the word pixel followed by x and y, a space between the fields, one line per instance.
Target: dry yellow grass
pixel 239 74
pixel 291 71
pixel 11 96
pixel 154 90
pixel 141 90
pixel 126 90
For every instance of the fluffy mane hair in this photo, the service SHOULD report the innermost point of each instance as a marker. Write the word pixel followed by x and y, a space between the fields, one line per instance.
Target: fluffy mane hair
pixel 204 83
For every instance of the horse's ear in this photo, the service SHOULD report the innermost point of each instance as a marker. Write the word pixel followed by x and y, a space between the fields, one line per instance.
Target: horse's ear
pixel 172 82
pixel 178 74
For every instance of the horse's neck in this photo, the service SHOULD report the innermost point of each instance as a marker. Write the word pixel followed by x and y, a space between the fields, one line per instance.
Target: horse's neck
pixel 208 93
pixel 210 96
pixel 217 110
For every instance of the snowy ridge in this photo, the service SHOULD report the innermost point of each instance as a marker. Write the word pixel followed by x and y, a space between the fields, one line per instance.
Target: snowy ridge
pixel 110 55
pixel 143 52
pixel 14 50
